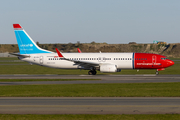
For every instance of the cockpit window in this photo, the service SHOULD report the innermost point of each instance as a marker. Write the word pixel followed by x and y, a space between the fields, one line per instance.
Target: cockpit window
pixel 163 58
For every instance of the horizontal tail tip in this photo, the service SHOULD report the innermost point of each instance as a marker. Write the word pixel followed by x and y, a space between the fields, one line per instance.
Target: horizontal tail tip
pixel 16 26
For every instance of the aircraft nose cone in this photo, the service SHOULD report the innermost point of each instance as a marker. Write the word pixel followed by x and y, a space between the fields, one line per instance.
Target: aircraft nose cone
pixel 170 62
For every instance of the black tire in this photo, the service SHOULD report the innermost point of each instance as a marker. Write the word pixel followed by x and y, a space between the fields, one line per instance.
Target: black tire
pixel 157 73
pixel 90 72
pixel 94 72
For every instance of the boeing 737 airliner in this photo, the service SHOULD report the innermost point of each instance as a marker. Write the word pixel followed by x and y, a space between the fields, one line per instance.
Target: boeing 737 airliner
pixel 104 62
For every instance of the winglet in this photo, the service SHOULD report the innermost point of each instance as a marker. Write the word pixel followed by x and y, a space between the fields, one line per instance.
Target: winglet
pixel 59 53
pixel 79 50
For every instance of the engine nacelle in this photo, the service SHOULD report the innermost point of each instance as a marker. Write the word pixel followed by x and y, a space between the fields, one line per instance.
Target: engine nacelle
pixel 108 68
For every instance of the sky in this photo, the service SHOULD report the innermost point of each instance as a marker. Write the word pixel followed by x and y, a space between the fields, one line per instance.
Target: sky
pixel 110 21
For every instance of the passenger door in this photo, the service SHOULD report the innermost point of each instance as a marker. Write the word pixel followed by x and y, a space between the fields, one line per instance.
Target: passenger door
pixel 41 60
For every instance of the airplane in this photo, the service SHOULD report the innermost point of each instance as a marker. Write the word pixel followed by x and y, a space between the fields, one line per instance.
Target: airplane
pixel 103 62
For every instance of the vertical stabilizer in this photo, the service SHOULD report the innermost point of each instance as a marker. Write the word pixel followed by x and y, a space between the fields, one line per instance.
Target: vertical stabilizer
pixel 25 43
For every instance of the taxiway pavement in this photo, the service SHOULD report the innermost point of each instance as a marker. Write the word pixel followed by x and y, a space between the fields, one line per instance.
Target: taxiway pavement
pixel 87 105
pixel 103 79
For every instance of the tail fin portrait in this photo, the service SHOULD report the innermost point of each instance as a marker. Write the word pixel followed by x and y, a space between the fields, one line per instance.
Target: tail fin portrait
pixel 25 43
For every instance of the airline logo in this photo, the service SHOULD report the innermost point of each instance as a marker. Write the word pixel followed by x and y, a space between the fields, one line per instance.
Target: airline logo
pixel 148 63
pixel 26 45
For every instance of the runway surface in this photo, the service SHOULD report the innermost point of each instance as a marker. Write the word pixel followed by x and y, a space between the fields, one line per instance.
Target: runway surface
pixel 103 79
pixel 84 105
pixel 88 105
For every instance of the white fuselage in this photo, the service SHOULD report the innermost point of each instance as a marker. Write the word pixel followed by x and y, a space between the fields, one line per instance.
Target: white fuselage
pixel 121 60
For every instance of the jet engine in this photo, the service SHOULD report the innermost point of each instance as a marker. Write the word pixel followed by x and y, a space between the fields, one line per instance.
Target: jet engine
pixel 109 68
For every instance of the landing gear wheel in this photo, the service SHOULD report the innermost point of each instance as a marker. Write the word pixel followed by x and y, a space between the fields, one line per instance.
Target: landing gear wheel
pixel 157 73
pixel 90 72
pixel 94 72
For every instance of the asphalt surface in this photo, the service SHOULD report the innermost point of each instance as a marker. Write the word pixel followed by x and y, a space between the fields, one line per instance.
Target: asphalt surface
pixel 83 105
pixel 90 105
pixel 103 79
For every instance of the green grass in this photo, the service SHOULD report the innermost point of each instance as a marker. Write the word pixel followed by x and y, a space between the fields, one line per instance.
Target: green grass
pixel 174 58
pixel 91 117
pixel 14 63
pixel 93 90
pixel 29 80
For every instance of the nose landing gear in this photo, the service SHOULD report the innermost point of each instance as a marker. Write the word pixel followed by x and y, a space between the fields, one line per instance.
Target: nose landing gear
pixel 157 73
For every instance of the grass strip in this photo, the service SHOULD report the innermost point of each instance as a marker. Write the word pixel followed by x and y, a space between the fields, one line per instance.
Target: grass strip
pixel 29 80
pixel 93 90
pixel 91 117
pixel 9 58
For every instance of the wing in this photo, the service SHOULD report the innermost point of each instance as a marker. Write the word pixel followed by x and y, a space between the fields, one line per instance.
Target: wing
pixel 84 64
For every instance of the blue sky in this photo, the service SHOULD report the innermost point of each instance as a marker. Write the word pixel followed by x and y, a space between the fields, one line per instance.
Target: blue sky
pixel 110 21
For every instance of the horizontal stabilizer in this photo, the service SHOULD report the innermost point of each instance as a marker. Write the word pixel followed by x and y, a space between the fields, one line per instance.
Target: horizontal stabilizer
pixel 19 55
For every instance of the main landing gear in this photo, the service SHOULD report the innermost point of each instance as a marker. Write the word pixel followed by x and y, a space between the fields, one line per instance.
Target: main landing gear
pixel 92 72
pixel 157 73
